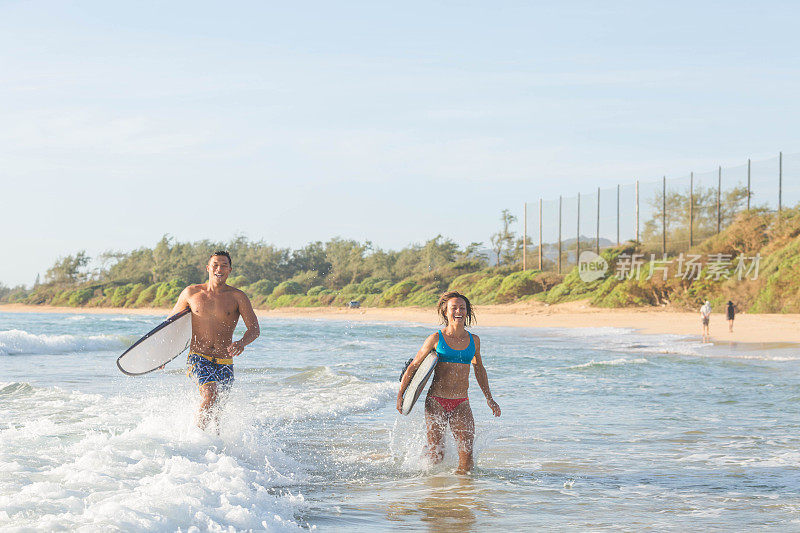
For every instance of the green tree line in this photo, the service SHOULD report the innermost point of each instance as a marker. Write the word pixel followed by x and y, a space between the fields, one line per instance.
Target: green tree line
pixel 320 273
pixel 338 271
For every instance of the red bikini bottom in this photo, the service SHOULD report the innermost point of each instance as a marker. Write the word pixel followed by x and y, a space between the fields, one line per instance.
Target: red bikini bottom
pixel 448 404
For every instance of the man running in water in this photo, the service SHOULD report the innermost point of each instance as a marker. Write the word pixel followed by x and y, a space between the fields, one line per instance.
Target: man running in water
pixel 216 308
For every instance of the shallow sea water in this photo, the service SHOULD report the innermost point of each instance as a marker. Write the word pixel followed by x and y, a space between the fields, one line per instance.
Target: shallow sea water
pixel 601 429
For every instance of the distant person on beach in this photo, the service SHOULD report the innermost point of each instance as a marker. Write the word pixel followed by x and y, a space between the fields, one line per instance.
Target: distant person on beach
pixel 730 313
pixel 447 402
pixel 705 317
pixel 216 308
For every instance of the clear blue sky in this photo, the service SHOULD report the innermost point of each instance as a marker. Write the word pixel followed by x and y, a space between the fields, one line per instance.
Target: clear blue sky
pixel 301 121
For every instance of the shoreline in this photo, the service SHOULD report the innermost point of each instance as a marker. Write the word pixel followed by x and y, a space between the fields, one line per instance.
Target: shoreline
pixel 767 329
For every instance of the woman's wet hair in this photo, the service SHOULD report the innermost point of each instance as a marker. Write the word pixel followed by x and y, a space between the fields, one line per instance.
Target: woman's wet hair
pixel 441 307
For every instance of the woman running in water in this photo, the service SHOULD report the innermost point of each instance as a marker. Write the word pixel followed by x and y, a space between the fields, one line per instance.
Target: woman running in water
pixel 447 402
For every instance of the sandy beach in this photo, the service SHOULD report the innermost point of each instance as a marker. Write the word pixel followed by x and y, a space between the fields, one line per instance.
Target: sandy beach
pixel 762 328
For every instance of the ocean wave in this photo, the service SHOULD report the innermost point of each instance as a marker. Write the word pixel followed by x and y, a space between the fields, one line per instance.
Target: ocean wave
pixel 15 388
pixel 627 340
pixel 15 341
pixel 320 391
pixel 611 362
pixel 143 469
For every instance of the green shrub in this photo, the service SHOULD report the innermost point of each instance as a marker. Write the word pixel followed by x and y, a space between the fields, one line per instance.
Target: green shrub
pixel 519 284
pixel 287 288
pixel 286 300
pixel 80 296
pixel 61 298
pixel 17 295
pixel 260 301
pixel 485 290
pixel 36 298
pixel 262 287
pixel 423 298
pixel 466 282
pixel 40 295
pixel 121 295
pixel 237 281
pixel 373 285
pixel 398 293
pixel 306 280
pixel 350 289
pixel 316 290
pixel 167 293
pixel 133 295
pixel 147 295
pixel 97 299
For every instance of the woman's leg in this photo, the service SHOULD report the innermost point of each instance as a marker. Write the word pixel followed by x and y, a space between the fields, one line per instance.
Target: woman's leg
pixel 463 426
pixel 435 422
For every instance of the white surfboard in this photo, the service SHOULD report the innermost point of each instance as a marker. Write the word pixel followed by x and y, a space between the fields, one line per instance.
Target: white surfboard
pixel 160 346
pixel 418 382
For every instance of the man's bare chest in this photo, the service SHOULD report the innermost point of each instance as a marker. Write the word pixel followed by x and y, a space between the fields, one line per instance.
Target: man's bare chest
pixel 221 307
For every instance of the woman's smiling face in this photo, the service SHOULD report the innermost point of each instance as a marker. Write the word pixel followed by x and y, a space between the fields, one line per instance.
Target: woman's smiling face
pixel 456 311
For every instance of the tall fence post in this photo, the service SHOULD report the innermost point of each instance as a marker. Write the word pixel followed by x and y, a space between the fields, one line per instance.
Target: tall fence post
pixel 719 197
pixel 618 243
pixel 540 233
pixel 748 184
pixel 597 239
pixel 691 209
pixel 664 216
pixel 524 235
pixel 780 182
pixel 637 211
pixel 559 235
pixel 578 241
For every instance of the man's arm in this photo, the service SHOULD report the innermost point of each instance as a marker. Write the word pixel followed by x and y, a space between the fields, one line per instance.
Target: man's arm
pixel 250 321
pixel 482 377
pixel 182 303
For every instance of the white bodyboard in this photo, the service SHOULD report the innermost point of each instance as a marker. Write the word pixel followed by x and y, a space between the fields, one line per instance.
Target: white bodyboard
pixel 160 346
pixel 418 382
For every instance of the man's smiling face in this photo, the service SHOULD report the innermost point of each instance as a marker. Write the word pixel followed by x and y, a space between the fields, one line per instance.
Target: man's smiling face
pixel 218 268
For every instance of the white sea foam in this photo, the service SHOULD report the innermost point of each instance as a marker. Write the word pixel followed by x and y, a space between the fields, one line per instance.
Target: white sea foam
pixel 14 341
pixel 89 461
pixel 321 392
pixel 627 340
pixel 611 362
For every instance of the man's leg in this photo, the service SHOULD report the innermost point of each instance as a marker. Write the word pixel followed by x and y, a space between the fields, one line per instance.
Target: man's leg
pixel 463 426
pixel 435 423
pixel 208 392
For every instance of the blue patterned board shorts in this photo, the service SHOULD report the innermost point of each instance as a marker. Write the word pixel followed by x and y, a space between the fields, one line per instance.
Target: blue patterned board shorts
pixel 204 371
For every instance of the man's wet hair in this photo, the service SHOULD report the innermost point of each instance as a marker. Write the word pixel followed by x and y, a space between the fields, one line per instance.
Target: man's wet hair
pixel 222 253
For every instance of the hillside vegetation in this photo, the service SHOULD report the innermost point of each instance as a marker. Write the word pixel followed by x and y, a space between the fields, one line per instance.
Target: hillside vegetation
pixel 764 247
pixel 339 271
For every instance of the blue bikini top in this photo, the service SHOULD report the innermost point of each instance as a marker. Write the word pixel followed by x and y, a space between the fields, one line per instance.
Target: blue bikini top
pixel 449 355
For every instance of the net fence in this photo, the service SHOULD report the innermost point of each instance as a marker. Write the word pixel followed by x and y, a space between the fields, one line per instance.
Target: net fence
pixel 666 216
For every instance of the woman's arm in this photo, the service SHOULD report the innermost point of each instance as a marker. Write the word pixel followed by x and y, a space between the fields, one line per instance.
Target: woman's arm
pixel 427 347
pixel 482 378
